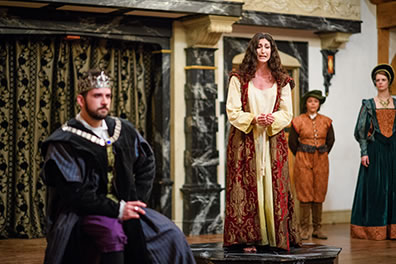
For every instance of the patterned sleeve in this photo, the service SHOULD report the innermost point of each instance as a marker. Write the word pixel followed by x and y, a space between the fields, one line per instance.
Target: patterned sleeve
pixel 362 128
pixel 237 117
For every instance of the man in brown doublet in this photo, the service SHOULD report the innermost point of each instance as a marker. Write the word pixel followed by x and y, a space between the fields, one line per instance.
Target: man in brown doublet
pixel 311 138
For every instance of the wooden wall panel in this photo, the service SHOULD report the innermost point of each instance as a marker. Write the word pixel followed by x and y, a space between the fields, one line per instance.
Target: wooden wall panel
pixel 386 17
pixel 383 45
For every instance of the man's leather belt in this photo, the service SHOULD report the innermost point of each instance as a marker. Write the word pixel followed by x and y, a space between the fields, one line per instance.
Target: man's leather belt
pixel 311 149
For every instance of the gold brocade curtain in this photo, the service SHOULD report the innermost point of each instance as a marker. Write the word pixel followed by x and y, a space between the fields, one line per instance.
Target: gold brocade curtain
pixel 38 76
pixel 129 66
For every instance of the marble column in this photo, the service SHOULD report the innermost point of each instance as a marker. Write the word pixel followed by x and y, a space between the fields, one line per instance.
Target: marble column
pixel 201 191
pixel 161 198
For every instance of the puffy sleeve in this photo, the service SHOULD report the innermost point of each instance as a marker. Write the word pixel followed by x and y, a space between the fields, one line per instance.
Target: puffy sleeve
pixel 293 140
pixel 64 173
pixel 237 117
pixel 144 168
pixel 362 128
pixel 284 114
pixel 330 138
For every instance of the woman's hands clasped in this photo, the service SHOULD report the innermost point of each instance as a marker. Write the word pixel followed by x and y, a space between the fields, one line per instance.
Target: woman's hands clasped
pixel 265 119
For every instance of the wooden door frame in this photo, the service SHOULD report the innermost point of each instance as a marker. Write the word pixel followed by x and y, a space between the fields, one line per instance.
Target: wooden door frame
pixel 386 20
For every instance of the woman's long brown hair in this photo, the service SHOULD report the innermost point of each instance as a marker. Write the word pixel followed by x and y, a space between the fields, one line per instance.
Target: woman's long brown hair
pixel 248 67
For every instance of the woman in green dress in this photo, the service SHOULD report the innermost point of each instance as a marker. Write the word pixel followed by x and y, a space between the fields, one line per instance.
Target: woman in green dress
pixel 374 205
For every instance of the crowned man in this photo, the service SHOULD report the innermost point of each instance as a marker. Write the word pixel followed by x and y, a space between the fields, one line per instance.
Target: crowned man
pixel 99 171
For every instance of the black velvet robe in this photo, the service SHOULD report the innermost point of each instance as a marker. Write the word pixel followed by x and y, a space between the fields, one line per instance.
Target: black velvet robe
pixel 75 170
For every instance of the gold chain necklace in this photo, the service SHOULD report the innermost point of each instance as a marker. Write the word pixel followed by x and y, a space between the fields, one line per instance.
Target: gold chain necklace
pixel 384 103
pixel 93 138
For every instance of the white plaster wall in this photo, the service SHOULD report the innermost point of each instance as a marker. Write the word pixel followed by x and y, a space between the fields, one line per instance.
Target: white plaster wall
pixel 351 84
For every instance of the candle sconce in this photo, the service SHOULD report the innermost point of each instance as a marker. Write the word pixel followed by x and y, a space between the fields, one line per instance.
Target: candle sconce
pixel 330 43
pixel 328 67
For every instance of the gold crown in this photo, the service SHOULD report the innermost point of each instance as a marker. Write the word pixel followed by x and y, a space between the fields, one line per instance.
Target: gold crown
pixel 93 80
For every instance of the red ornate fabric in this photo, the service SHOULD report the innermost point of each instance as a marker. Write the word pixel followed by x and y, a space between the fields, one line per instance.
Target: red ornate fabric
pixel 242 223
pixel 286 231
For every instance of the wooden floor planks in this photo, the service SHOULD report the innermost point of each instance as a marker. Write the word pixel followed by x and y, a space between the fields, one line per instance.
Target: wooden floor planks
pixel 354 251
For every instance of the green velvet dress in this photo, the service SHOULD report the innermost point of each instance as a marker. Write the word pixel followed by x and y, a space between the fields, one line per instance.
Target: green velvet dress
pixel 374 206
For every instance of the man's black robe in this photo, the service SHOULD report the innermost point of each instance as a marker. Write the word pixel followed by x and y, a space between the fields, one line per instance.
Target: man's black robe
pixel 75 170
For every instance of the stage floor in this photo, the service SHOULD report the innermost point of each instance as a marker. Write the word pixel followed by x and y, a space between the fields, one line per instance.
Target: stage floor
pixel 354 251
pixel 213 253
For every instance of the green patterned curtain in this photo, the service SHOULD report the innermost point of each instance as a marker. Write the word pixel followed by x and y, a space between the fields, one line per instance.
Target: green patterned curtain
pixel 38 76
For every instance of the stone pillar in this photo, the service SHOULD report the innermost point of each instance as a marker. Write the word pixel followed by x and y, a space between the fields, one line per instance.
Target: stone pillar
pixel 201 191
pixel 161 197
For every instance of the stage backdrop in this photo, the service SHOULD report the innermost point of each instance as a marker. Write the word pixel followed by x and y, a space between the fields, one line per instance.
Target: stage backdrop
pixel 38 78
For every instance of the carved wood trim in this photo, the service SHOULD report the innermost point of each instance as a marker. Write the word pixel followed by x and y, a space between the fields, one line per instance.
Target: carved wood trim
pixel 206 31
pixel 332 41
pixel 339 9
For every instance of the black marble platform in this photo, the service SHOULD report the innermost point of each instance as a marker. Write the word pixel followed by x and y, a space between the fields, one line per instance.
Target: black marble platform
pixel 213 253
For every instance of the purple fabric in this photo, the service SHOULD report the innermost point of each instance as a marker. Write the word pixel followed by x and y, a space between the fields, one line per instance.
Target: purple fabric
pixel 106 232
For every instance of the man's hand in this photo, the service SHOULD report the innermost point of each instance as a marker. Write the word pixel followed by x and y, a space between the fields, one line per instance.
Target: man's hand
pixel 132 210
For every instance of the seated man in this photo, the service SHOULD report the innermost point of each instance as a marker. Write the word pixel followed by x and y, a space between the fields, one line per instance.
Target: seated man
pixel 99 170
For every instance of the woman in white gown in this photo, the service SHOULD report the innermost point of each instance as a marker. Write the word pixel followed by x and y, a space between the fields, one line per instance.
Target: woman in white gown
pixel 259 205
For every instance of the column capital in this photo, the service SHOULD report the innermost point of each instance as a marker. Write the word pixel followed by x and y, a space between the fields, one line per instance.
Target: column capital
pixel 332 41
pixel 206 31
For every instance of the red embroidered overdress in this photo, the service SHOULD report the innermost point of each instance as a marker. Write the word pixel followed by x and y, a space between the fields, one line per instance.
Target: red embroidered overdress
pixel 242 222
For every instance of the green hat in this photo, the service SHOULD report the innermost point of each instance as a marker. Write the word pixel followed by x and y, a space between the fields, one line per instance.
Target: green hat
pixel 93 79
pixel 314 93
pixel 387 69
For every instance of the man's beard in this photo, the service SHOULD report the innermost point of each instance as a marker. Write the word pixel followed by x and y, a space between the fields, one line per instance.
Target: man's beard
pixel 95 114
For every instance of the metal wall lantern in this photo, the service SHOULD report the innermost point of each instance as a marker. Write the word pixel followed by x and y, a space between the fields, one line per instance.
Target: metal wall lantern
pixel 328 68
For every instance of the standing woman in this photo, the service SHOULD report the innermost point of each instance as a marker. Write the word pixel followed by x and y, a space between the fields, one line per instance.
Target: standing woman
pixel 311 139
pixel 374 205
pixel 259 205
